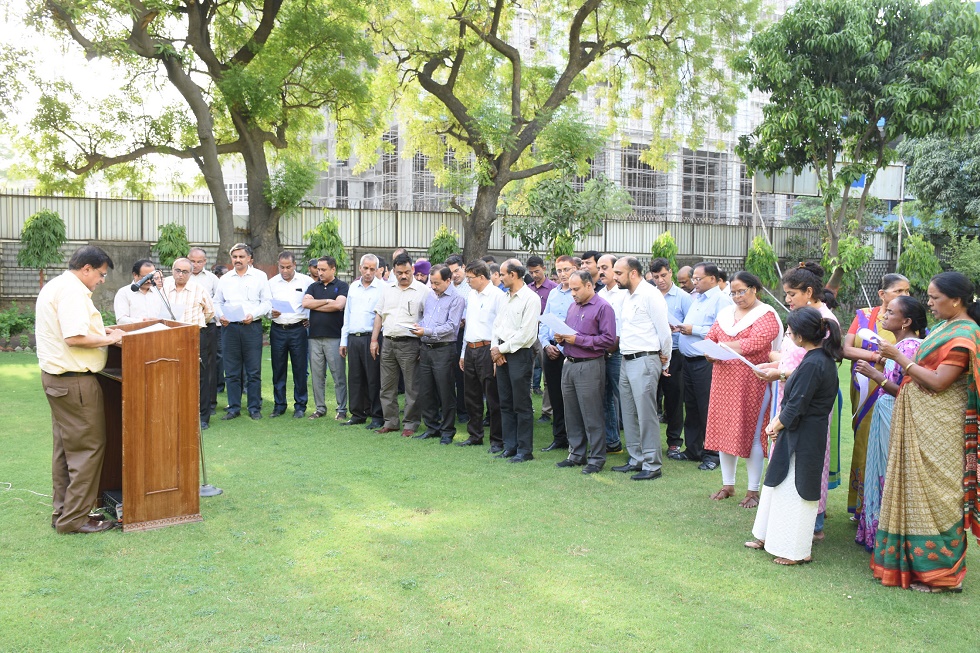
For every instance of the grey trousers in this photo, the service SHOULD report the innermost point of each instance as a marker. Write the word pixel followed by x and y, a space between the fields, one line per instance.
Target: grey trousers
pixel 638 379
pixel 403 356
pixel 583 388
pixel 437 388
pixel 324 353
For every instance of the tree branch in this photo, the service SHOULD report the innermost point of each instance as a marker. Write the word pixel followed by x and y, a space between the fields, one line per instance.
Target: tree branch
pixel 511 53
pixel 270 10
pixel 96 161
pixel 530 172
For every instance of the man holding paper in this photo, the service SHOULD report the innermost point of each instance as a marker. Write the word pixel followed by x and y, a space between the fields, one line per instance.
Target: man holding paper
pixel 555 310
pixel 192 305
pixel 287 336
pixel 645 342
pixel 240 302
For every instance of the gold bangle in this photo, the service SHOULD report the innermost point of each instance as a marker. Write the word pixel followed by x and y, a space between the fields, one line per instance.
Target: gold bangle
pixel 908 367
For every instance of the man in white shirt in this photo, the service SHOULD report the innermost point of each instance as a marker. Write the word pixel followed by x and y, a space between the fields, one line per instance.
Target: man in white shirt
pixel 287 335
pixel 242 299
pixel 195 306
pixel 458 269
pixel 615 295
pixel 646 344
pixel 212 366
pixel 514 331
pixel 140 305
pixel 482 303
pixel 363 369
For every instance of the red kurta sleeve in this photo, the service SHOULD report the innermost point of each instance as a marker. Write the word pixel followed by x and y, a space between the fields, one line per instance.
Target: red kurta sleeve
pixel 757 339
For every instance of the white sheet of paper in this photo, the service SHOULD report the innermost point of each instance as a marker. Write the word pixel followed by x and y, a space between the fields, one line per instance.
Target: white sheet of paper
pixel 755 368
pixel 406 325
pixel 868 335
pixel 714 350
pixel 283 306
pixel 556 325
pixel 673 321
pixel 178 312
pixel 159 326
pixel 233 312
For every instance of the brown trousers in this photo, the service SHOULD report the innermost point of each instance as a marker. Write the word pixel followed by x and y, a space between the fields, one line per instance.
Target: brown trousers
pixel 78 430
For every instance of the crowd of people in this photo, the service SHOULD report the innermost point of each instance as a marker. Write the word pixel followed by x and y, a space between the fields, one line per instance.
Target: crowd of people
pixel 620 349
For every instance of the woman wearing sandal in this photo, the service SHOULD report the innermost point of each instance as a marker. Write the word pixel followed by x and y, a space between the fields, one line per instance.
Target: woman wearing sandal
pixel 790 496
pixel 930 495
pixel 739 404
pixel 905 318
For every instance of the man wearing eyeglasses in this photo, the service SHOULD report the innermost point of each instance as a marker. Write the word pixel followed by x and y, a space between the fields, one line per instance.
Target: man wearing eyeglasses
pixel 697 370
pixel 184 293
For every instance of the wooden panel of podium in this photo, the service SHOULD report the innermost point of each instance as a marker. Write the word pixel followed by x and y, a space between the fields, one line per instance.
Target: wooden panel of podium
pixel 150 384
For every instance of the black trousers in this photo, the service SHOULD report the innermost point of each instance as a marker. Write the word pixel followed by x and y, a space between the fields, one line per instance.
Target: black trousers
pixel 289 346
pixel 243 361
pixel 437 388
pixel 672 388
pixel 363 379
pixel 697 388
pixel 461 410
pixel 552 376
pixel 516 411
pixel 480 382
pixel 209 370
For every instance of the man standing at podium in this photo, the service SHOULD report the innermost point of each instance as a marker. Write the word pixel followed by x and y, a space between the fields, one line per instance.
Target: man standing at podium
pixel 71 349
pixel 240 302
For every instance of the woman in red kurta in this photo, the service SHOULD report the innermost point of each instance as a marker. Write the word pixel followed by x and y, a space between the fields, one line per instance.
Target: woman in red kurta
pixel 738 408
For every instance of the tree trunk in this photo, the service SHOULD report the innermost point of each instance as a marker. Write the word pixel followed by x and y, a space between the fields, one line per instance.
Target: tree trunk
pixel 263 219
pixel 478 225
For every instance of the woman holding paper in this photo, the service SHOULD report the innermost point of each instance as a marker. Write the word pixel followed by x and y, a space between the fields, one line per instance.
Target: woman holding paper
pixel 790 498
pixel 905 317
pixel 804 288
pixel 930 495
pixel 864 393
pixel 738 408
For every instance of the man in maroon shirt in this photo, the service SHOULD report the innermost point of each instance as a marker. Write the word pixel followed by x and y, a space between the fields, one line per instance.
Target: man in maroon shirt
pixel 583 378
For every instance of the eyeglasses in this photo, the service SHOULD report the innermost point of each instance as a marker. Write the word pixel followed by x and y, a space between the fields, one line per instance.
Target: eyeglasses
pixel 176 271
pixel 696 279
pixel 740 293
pixel 102 274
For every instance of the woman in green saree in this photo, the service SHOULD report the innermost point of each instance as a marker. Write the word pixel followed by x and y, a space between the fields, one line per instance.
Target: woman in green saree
pixel 930 496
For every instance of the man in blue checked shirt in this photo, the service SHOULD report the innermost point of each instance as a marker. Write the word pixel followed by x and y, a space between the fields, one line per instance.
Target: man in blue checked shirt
pixel 559 301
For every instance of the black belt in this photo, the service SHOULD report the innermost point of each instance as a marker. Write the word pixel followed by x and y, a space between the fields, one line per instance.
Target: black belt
pixel 436 345
pixel 581 360
pixel 294 325
pixel 694 358
pixel 640 354
pixel 359 334
pixel 399 338
pixel 68 375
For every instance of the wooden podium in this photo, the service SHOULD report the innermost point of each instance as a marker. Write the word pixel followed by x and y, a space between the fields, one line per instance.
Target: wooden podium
pixel 150 384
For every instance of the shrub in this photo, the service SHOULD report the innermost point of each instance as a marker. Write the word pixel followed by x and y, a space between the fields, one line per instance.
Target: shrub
pixel 172 243
pixel 41 240
pixel 665 247
pixel 325 240
pixel 14 321
pixel 444 244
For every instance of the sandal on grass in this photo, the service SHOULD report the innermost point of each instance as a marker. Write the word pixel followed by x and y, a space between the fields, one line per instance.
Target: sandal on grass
pixel 786 562
pixel 722 494
pixel 929 589
pixel 755 544
pixel 751 500
pixel 317 415
pixel 818 537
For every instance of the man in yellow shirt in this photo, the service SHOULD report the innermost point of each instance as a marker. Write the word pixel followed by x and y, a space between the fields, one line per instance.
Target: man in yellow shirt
pixel 71 348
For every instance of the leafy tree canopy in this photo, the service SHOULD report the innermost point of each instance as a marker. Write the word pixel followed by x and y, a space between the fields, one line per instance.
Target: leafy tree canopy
pixel 944 175
pixel 846 79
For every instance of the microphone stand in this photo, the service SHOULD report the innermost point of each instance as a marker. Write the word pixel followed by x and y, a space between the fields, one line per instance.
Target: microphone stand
pixel 207 490
pixel 166 303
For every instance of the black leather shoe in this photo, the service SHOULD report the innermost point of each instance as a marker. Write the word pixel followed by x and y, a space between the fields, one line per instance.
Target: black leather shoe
pixel 567 463
pixel 591 469
pixel 354 420
pixel 555 445
pixel 227 416
pixel 463 419
pixel 425 435
pixel 93 526
pixel 648 475
pixel 708 466
pixel 469 443
pixel 522 458
pixel 375 424
pixel 277 413
pixel 675 453
pixel 205 426
pixel 617 449
pixel 544 419
pixel 214 411
pixel 256 415
pixel 299 414
pixel 446 440
pixel 495 449
pixel 506 454
pixel 627 468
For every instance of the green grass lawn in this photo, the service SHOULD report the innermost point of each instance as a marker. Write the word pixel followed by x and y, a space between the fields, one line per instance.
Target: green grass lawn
pixel 333 538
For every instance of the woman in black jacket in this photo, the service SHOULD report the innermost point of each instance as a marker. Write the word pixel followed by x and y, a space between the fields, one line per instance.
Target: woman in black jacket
pixel 791 491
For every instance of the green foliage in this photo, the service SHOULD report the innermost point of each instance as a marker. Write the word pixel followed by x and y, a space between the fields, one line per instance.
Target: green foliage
pixel 762 262
pixel 325 240
pixel 289 184
pixel 557 216
pixel 14 321
pixel 172 243
pixel 964 256
pixel 41 240
pixel 665 247
pixel 848 78
pixel 944 175
pixel 444 244
pixel 918 262
pixel 108 317
pixel 852 255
